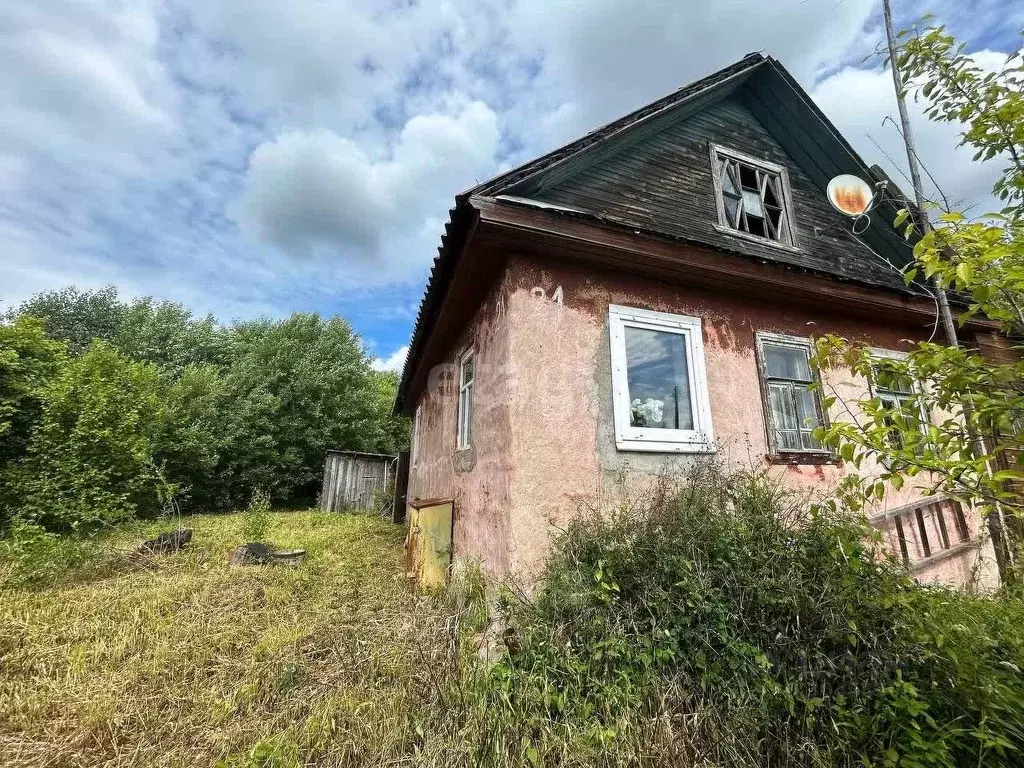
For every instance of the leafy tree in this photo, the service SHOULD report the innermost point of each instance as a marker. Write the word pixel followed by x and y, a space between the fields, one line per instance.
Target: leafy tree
pixel 252 405
pixel 165 333
pixel 959 430
pixel 296 388
pixel 28 360
pixel 76 317
pixel 192 441
pixel 169 335
pixel 90 460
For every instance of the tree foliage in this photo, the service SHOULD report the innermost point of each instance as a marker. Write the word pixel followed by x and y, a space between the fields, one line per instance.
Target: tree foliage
pixel 296 388
pixel 28 361
pixel 164 333
pixel 90 460
pixel 959 429
pixel 74 316
pixel 104 402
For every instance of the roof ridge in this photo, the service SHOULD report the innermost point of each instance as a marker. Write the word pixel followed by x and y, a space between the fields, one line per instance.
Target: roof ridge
pixel 596 135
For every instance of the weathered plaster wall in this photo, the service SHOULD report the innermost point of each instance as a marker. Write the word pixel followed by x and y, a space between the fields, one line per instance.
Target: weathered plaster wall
pixel 561 449
pixel 477 479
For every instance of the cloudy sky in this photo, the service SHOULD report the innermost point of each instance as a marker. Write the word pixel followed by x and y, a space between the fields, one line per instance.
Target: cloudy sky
pixel 257 157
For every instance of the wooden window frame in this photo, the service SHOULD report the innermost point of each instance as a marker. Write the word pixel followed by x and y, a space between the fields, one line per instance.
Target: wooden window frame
pixel 464 410
pixel 701 439
pixel 928 550
pixel 764 166
pixel 874 390
pixel 775 453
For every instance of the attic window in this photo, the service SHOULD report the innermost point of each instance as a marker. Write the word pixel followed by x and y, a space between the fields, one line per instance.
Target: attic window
pixel 753 196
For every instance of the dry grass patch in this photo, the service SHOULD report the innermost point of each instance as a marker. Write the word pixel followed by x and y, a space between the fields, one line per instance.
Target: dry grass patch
pixel 183 661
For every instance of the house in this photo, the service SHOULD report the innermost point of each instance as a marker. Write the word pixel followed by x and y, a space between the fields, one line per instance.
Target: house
pixel 643 296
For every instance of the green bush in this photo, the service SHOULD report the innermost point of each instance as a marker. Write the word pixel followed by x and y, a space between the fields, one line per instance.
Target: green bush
pixel 252 404
pixel 192 442
pixel 256 519
pixel 90 459
pixel 295 388
pixel 33 556
pixel 721 624
pixel 28 362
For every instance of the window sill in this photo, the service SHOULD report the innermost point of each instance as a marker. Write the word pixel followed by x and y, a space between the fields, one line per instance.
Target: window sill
pixel 656 446
pixel 755 238
pixel 808 457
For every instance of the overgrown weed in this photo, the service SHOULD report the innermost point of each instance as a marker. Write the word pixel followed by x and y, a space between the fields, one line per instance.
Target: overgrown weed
pixel 725 622
pixel 717 622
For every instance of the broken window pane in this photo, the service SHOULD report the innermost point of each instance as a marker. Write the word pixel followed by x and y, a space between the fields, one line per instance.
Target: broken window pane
pixel 657 375
pixel 728 184
pixel 732 207
pixel 752 200
pixel 752 203
pixel 748 176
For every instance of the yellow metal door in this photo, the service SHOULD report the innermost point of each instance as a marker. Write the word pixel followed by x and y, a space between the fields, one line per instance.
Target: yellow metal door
pixel 428 547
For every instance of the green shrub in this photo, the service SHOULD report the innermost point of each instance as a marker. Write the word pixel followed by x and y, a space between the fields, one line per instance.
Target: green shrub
pixel 192 442
pixel 28 362
pixel 34 556
pixel 251 404
pixel 256 519
pixel 721 624
pixel 90 460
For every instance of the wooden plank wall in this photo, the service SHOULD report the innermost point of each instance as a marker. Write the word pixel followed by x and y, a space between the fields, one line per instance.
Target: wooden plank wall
pixel 350 481
pixel 664 183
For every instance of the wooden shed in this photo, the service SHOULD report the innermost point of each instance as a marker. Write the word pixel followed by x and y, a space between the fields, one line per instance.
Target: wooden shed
pixel 352 479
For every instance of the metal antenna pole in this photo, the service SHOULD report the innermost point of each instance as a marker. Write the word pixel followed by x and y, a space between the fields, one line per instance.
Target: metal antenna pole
pixel 995 521
pixel 948 324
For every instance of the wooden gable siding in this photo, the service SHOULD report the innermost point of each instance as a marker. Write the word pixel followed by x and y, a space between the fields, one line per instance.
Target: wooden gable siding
pixel 663 183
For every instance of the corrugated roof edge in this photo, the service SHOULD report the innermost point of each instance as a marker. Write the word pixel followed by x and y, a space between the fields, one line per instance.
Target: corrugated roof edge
pixel 459 219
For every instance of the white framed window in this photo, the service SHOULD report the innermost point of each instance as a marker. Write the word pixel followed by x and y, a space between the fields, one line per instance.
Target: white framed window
pixel 753 197
pixel 792 407
pixel 659 385
pixel 414 448
pixel 467 373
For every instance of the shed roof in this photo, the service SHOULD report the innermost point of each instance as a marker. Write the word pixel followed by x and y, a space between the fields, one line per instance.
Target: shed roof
pixel 362 454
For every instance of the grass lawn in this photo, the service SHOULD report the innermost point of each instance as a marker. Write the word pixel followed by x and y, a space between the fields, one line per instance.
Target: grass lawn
pixel 183 661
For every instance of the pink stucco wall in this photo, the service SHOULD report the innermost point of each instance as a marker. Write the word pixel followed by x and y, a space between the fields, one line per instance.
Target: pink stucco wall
pixel 544 444
pixel 478 479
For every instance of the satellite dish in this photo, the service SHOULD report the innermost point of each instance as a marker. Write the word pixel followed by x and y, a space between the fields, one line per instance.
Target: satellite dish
pixel 850 195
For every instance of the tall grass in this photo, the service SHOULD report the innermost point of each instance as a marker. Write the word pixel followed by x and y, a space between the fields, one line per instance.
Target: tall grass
pixel 183 661
pixel 718 623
